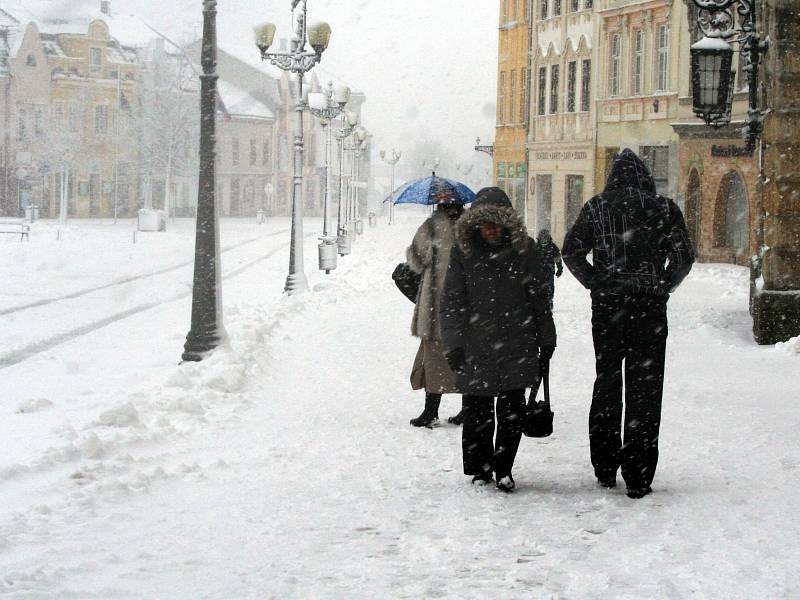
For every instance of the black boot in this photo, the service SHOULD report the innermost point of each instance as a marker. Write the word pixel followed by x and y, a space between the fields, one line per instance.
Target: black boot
pixel 457 419
pixel 430 415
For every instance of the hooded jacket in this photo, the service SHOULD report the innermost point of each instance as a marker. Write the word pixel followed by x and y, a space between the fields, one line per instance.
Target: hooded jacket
pixel 638 239
pixel 494 306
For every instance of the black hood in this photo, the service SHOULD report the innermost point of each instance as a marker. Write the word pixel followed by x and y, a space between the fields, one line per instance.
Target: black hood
pixel 629 171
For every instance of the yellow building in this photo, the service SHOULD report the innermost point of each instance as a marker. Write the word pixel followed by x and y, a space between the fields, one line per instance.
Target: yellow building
pixel 513 84
pixel 643 50
pixel 74 94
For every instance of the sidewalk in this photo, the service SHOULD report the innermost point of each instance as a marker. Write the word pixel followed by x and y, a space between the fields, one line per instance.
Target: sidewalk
pixel 284 466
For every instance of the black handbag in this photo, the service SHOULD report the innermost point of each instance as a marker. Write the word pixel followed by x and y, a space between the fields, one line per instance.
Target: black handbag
pixel 538 416
pixel 407 281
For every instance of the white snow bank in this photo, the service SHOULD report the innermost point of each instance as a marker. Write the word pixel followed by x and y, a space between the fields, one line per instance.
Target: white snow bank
pixel 791 346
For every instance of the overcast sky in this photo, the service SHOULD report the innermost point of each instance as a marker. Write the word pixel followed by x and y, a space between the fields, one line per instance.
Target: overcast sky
pixel 428 67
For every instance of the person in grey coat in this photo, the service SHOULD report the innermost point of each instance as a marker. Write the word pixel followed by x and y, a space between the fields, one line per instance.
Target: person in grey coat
pixel 429 255
pixel 496 326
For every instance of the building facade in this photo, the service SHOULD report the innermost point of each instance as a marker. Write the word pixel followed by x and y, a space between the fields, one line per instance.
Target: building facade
pixel 73 99
pixel 513 86
pixel 561 136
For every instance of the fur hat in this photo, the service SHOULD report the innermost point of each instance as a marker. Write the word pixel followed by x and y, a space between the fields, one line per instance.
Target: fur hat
pixel 491 205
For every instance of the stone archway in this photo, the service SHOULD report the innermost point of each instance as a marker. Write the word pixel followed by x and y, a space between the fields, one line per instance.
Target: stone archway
pixel 694 208
pixel 732 222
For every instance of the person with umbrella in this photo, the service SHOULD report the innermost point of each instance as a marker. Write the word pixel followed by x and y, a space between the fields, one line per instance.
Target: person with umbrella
pixel 429 255
pixel 496 327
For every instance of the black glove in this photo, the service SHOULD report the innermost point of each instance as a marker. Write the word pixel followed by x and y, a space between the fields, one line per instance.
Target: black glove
pixel 559 271
pixel 456 359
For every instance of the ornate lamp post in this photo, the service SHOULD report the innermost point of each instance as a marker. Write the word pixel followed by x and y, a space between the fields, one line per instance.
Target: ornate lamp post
pixel 298 60
pixel 359 143
pixel 327 107
pixel 712 56
pixel 392 160
pixel 487 149
pixel 207 330
pixel 349 123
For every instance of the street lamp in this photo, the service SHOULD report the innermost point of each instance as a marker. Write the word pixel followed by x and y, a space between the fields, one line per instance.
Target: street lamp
pixel 326 107
pixel 207 330
pixel 392 160
pixel 297 60
pixel 359 144
pixel 711 59
pixel 349 123
pixel 486 149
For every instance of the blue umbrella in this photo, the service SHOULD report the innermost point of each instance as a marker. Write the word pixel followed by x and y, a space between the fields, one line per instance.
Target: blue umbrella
pixel 426 191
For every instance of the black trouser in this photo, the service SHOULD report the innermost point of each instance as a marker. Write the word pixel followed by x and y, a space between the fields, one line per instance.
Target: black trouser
pixel 633 330
pixel 481 455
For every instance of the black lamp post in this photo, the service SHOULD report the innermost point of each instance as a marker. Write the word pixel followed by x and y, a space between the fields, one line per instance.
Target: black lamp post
pixel 712 57
pixel 207 330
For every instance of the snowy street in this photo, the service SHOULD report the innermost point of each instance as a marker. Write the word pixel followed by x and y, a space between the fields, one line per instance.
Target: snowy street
pixel 283 466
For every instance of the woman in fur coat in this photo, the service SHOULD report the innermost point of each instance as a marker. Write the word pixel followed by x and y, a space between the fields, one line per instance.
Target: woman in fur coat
pixel 496 327
pixel 429 255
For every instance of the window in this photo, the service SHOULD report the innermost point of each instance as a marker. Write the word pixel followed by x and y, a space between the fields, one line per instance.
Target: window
pixel 22 124
pixel 513 12
pixel 556 8
pixel 74 117
pixel 574 198
pixel 663 58
pixel 94 57
pixel 543 9
pixel 572 75
pixel 555 72
pixel 613 70
pixel 525 98
pixel 588 5
pixel 266 154
pixel 235 152
pixel 234 208
pixel 574 5
pixel 30 61
pixel 38 120
pixel 656 158
pixel 100 119
pixel 586 85
pixel 504 14
pixel 526 5
pixel 58 113
pixel 253 153
pixel 542 90
pixel 513 96
pixel 501 98
pixel 638 62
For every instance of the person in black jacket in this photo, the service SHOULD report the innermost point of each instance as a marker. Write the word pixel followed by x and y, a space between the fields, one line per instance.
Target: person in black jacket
pixel 551 261
pixel 496 325
pixel 640 253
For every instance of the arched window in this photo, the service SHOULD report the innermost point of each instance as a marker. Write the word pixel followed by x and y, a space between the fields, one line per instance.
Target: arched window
pixel 31 60
pixel 732 225
pixel 693 208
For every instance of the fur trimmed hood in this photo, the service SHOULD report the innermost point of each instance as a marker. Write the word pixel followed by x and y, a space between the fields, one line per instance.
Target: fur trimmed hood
pixel 491 205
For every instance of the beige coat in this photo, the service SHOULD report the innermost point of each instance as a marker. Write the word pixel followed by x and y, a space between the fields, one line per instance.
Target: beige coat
pixel 429 255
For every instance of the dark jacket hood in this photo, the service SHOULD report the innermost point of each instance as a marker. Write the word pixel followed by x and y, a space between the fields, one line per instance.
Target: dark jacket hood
pixel 628 171
pixel 491 205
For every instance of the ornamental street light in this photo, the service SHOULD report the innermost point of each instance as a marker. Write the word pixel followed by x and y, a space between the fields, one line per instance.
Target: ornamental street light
pixel 207 330
pixel 486 149
pixel 353 225
pixel 712 57
pixel 348 125
pixel 326 107
pixel 298 60
pixel 391 160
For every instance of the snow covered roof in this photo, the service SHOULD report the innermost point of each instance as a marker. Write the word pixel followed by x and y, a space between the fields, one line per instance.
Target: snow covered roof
pixel 74 17
pixel 240 103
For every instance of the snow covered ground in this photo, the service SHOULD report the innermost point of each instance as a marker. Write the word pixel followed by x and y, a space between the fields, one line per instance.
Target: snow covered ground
pixel 283 466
